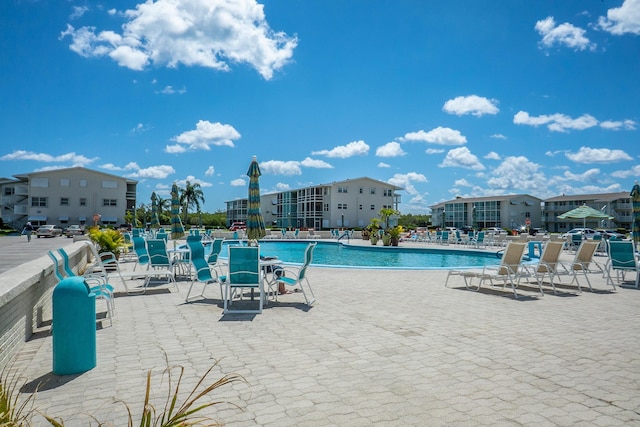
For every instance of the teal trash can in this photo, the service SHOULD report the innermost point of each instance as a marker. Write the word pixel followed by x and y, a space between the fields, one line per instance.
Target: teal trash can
pixel 74 327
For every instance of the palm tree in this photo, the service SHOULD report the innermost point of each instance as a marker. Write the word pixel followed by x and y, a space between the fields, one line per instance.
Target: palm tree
pixel 190 197
pixel 163 205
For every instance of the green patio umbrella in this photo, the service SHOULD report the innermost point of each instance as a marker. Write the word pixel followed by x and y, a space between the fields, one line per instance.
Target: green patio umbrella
pixel 155 222
pixel 583 212
pixel 255 221
pixel 177 230
pixel 635 201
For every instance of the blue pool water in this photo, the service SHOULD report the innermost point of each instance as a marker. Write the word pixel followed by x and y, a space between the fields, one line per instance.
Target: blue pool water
pixel 334 254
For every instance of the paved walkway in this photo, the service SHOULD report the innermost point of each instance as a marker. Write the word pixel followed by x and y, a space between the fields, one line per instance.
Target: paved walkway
pixel 15 250
pixel 380 347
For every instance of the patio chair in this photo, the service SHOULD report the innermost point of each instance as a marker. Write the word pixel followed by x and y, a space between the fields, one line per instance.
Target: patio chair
pixel 140 251
pixel 581 262
pixel 296 277
pixel 96 282
pixel 205 273
pixel 444 238
pixel 509 270
pixel 622 259
pixel 244 272
pixel 66 265
pixel 216 248
pixel 548 264
pixel 478 240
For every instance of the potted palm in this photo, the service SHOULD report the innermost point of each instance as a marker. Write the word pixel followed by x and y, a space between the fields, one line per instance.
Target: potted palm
pixel 374 226
pixel 107 240
pixel 394 234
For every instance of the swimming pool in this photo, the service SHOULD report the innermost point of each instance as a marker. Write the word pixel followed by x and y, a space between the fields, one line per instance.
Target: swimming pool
pixel 334 254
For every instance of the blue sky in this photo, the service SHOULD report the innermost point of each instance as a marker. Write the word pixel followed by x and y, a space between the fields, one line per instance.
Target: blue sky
pixel 444 99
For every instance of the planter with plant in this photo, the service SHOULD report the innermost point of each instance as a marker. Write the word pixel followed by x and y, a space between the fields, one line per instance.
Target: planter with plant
pixel 394 234
pixel 107 240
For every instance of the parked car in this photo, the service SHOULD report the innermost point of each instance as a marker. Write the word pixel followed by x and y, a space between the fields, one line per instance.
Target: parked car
pixel 238 226
pixel 587 233
pixel 606 234
pixel 496 230
pixel 73 230
pixel 48 231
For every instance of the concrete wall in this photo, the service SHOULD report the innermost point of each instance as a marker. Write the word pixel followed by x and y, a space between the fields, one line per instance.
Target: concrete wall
pixel 25 299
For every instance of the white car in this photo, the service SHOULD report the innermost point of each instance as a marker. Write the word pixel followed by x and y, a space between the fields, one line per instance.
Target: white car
pixel 496 230
pixel 587 233
pixel 48 231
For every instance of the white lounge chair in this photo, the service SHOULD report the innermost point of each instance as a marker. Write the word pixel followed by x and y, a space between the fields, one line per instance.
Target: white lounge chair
pixel 509 271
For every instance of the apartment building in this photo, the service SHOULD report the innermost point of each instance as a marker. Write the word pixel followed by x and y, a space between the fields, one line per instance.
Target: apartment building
pixel 617 205
pixel 511 211
pixel 66 196
pixel 350 203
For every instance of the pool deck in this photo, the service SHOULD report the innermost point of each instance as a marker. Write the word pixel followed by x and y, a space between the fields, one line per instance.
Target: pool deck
pixel 379 347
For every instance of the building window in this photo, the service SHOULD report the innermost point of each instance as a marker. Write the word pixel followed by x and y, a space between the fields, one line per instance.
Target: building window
pixel 64 201
pixel 83 201
pixel 373 207
pixel 361 190
pixel 342 189
pixel 83 183
pixel 342 206
pixel 40 182
pixel 388 192
pixel 372 190
pixel 39 202
pixel 9 191
pixel 109 202
pixel 64 182
pixel 326 207
pixel 109 184
pixel 360 207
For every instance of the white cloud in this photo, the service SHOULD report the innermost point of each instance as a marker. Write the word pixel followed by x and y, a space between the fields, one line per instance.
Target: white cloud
pixel 203 136
pixel 617 125
pixel 210 171
pixel 461 157
pixel 597 155
pixel 591 175
pixel 462 183
pixel 434 150
pixel 556 122
pixel 383 165
pixel 314 163
pixel 78 11
pixel 202 33
pixel 238 182
pixel 563 34
pixel 282 186
pixel 518 174
pixel 278 167
pixel 406 181
pixel 623 19
pixel 440 135
pixel 158 172
pixel 627 173
pixel 492 156
pixel 498 136
pixel 193 180
pixel 472 104
pixel 72 158
pixel 170 90
pixel 390 149
pixel 354 148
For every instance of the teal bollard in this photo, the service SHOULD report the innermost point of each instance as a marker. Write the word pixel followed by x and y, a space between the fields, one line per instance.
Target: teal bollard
pixel 74 327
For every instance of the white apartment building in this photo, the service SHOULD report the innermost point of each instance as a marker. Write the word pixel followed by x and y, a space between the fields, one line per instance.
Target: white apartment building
pixel 618 205
pixel 510 211
pixel 66 196
pixel 342 204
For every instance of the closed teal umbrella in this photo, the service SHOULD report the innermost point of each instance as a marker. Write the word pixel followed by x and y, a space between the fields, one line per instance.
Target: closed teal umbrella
pixel 177 230
pixel 155 222
pixel 635 201
pixel 255 221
